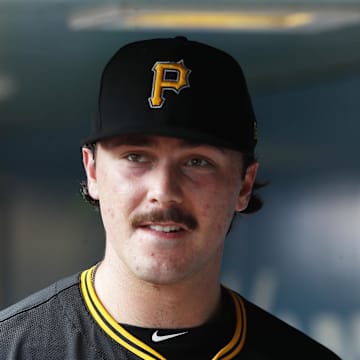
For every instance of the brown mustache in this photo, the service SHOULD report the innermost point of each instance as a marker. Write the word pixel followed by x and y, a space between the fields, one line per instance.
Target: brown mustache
pixel 168 215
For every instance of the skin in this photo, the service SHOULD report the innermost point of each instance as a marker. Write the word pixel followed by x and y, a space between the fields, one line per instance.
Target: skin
pixel 164 279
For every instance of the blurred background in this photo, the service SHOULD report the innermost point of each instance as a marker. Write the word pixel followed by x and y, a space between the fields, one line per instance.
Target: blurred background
pixel 299 257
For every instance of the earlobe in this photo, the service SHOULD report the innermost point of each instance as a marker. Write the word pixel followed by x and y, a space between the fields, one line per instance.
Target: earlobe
pixel 89 166
pixel 246 187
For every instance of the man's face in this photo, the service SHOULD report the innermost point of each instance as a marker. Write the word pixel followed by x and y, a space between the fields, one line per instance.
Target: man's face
pixel 166 204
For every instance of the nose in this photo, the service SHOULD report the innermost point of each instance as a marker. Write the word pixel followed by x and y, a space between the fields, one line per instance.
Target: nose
pixel 164 186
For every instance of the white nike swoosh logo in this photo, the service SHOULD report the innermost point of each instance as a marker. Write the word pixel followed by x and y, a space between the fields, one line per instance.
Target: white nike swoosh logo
pixel 157 338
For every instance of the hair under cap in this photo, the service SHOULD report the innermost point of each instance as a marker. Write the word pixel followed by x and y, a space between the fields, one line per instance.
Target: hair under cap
pixel 178 88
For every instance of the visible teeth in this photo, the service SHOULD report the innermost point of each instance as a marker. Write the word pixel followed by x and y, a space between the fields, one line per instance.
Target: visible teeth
pixel 165 228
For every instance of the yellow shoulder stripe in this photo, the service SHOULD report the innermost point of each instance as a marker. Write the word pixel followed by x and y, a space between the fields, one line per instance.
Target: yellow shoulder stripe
pixel 237 342
pixel 109 325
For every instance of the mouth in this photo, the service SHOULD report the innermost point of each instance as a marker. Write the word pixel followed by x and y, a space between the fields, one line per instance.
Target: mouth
pixel 164 228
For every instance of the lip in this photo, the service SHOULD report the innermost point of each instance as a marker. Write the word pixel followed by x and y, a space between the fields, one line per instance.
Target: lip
pixel 158 231
pixel 166 227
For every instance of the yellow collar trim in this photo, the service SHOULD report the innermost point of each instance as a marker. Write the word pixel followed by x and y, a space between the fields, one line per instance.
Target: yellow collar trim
pixel 139 348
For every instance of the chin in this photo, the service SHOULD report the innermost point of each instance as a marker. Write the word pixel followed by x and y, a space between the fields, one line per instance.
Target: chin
pixel 160 274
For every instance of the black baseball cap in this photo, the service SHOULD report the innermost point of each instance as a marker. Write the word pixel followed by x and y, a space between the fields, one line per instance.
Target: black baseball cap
pixel 178 88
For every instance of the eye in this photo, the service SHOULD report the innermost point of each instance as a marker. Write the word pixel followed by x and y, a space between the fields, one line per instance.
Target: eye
pixel 136 158
pixel 197 162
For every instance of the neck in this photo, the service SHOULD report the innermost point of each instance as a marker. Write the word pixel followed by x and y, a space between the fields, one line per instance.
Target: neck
pixel 136 302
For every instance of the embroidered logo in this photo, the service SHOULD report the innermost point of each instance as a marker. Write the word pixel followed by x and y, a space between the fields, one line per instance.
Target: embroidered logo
pixel 158 338
pixel 167 76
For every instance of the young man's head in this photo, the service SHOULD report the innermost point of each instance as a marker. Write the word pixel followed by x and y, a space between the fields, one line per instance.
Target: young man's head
pixel 171 156
pixel 179 88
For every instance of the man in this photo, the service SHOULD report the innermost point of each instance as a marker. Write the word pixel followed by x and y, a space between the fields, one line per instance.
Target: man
pixel 169 162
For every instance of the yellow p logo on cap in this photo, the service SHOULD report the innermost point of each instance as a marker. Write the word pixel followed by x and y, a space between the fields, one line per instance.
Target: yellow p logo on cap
pixel 161 82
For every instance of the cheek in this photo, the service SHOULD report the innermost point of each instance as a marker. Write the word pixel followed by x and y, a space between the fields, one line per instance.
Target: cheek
pixel 113 183
pixel 218 211
pixel 107 212
pixel 215 199
pixel 118 194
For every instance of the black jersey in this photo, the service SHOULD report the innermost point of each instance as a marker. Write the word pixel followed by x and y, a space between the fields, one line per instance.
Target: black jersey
pixel 67 321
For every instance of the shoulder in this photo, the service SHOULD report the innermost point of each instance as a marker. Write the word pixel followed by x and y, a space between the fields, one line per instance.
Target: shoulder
pixel 41 324
pixel 36 302
pixel 273 338
pixel 55 324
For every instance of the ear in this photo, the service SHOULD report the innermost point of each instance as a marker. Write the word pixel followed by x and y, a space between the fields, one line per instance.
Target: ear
pixel 246 187
pixel 90 169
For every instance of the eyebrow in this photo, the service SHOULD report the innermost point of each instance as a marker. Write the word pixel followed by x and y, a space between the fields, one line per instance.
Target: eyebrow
pixel 152 141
